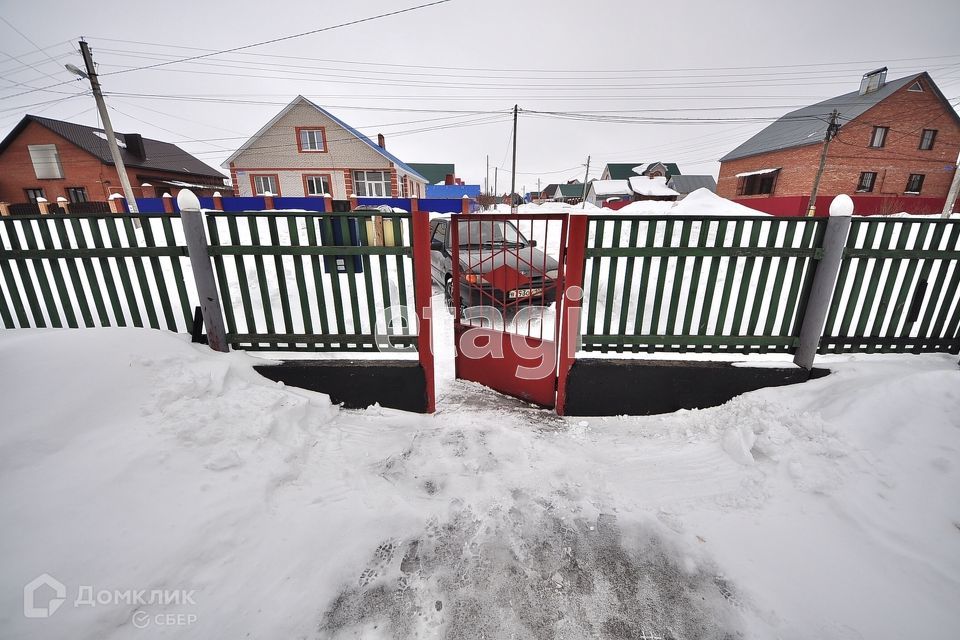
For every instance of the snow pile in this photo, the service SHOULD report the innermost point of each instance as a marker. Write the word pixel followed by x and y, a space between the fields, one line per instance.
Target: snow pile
pixel 141 462
pixel 706 202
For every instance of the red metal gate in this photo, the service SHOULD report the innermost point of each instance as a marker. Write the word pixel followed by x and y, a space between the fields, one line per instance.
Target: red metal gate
pixel 510 304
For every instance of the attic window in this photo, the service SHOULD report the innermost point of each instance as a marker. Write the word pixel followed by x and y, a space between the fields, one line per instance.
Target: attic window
pixel 873 81
pixel 916 87
pixel 46 161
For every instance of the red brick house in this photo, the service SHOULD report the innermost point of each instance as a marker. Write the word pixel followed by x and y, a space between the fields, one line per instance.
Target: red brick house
pixel 896 150
pixel 49 158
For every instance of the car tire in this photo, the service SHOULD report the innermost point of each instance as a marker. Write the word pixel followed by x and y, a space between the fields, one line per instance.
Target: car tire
pixel 448 295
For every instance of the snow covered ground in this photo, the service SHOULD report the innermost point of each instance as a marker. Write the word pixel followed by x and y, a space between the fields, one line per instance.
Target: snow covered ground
pixel 131 460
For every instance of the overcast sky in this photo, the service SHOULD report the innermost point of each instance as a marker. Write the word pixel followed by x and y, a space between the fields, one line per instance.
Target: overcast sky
pixel 440 82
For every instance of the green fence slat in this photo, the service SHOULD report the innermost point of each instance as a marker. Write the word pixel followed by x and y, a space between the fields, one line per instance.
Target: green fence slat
pixel 662 269
pixel 159 280
pixel 30 292
pixel 149 304
pixel 685 231
pixel 318 276
pixel 300 276
pixel 882 308
pixel 401 271
pixel 175 263
pixel 595 266
pixel 853 302
pixel 106 272
pixel 223 284
pixel 63 291
pixel 41 275
pixel 334 274
pixel 711 284
pixel 133 307
pixel 81 241
pixel 693 295
pixel 281 272
pixel 898 312
pixel 258 263
pixel 780 276
pixel 729 277
pixel 612 280
pixel 351 276
pixel 937 291
pixel 756 312
pixel 5 315
pixel 246 301
pixel 74 272
pixel 926 265
pixel 367 276
pixel 12 289
pixel 628 281
pixel 646 268
pixel 743 291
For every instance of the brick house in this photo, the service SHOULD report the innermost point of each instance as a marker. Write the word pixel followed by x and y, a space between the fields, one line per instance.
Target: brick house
pixel 896 150
pixel 306 151
pixel 47 158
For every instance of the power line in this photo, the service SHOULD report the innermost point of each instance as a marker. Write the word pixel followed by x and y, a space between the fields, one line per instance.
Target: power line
pixel 284 38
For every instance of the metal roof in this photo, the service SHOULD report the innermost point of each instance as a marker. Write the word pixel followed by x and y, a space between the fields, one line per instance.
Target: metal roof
pixel 160 156
pixel 809 124
pixel 370 143
pixel 434 173
pixel 689 184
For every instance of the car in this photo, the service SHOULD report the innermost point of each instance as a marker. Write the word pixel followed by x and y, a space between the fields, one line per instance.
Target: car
pixel 499 266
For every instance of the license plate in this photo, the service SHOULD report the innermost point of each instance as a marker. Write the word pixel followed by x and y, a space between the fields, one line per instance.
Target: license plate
pixel 524 293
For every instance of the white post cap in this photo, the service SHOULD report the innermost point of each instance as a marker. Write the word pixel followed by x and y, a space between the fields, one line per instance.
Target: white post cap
pixel 186 200
pixel 61 199
pixel 115 196
pixel 146 184
pixel 167 195
pixel 842 205
pixel 41 199
pixel 216 194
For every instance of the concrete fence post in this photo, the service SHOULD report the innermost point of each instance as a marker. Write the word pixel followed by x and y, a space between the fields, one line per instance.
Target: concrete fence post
pixel 824 281
pixel 196 237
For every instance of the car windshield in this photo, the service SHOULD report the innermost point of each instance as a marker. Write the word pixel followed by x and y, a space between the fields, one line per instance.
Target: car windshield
pixel 487 232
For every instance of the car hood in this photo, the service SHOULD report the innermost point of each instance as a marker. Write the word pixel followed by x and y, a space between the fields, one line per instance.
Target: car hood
pixel 524 260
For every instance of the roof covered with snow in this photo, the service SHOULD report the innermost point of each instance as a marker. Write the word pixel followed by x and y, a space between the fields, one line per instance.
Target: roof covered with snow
pixel 809 124
pixel 644 186
pixel 611 187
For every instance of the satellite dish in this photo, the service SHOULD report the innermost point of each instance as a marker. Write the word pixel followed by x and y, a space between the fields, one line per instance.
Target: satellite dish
pixel 75 71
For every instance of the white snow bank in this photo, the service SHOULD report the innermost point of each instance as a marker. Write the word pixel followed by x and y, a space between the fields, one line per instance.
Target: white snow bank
pixel 141 462
pixel 706 202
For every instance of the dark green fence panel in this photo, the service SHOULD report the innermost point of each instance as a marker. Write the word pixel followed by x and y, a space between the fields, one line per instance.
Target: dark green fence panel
pixel 898 289
pixel 697 284
pixel 94 270
pixel 308 281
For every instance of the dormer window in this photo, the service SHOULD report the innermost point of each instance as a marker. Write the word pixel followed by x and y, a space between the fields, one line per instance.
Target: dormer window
pixel 311 139
pixel 873 81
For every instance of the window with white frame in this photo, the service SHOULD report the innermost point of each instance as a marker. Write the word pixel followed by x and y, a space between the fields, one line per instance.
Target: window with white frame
pixel 265 184
pixel 371 184
pixel 46 161
pixel 879 137
pixel 312 140
pixel 927 138
pixel 317 185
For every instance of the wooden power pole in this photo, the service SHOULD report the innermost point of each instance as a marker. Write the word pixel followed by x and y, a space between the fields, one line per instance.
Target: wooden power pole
pixel 513 177
pixel 831 133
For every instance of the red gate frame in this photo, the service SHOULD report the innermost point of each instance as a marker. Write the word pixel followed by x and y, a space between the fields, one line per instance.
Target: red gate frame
pixel 501 373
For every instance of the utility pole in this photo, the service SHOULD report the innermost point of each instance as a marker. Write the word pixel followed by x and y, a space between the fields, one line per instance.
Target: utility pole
pixel 486 182
pixel 496 193
pixel 108 128
pixel 586 176
pixel 953 192
pixel 831 133
pixel 513 177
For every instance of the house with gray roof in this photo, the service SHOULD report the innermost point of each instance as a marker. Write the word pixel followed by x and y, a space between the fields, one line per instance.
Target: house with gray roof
pixel 896 148
pixel 307 151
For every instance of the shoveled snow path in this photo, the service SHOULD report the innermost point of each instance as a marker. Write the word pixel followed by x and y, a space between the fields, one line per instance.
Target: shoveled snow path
pixel 140 461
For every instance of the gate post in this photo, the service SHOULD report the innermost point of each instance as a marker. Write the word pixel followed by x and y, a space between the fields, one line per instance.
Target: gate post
pixel 202 269
pixel 824 280
pixel 568 314
pixel 422 293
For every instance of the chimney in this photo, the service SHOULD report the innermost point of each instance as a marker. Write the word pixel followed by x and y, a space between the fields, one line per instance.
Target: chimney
pixel 448 179
pixel 381 141
pixel 134 142
pixel 873 80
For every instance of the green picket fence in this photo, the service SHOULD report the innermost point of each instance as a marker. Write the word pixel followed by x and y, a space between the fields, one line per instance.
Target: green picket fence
pixel 94 270
pixel 697 284
pixel 898 289
pixel 305 281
